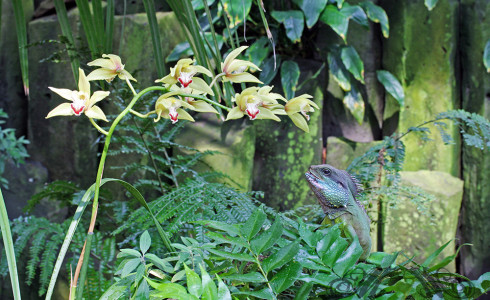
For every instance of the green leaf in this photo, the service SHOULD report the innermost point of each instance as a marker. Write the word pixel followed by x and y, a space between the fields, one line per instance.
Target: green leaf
pixel 145 242
pixel 155 37
pixel 354 103
pixel 223 291
pixel 349 258
pixel 311 9
pixel 293 23
pixel 62 16
pixel 334 252
pixel 199 4
pixel 268 71
pixel 168 289
pixel 377 15
pixel 180 50
pixel 486 56
pixel 446 260
pixel 286 277
pixel 338 21
pixel 160 263
pixel 338 71
pixel 258 51
pixel 430 4
pixel 128 252
pixel 356 13
pixel 219 237
pixel 210 291
pixel 324 244
pixel 382 259
pixel 268 238
pixel 236 11
pixel 232 256
pixel 304 291
pixel 281 257
pixel 231 229
pixel 265 293
pixel 9 247
pixel 20 27
pixel 392 86
pixel 353 62
pixel 248 277
pixel 433 256
pixel 130 266
pixel 194 284
pixel 289 78
pixel 250 228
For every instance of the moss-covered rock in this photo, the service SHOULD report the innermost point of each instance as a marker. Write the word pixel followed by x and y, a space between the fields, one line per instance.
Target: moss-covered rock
pixel 408 230
pixel 421 54
pixel 475 85
pixel 283 152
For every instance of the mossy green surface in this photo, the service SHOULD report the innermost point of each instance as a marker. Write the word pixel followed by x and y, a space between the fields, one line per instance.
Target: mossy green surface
pixel 408 230
pixel 421 53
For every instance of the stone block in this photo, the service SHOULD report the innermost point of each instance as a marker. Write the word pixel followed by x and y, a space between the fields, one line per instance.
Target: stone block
pixel 421 53
pixel 408 230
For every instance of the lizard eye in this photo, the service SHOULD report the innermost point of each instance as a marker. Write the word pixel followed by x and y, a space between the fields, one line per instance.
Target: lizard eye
pixel 326 172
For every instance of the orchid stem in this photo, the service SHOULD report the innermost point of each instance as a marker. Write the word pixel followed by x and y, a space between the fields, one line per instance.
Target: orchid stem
pixel 216 78
pixel 98 127
pixel 140 115
pixel 130 86
pixel 207 100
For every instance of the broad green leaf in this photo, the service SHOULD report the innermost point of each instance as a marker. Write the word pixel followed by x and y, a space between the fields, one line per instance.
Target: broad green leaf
pixel 446 260
pixel 353 62
pixel 268 238
pixel 232 256
pixel 289 78
pixel 236 11
pixel 118 290
pixel 324 244
pixel 145 242
pixel 392 86
pixel 281 257
pixel 311 9
pixel 304 291
pixel 293 23
pixel 250 228
pixel 338 246
pixel 143 291
pixel 382 259
pixel 286 277
pixel 210 292
pixel 168 289
pixel 377 15
pixel 433 256
pixel 356 13
pixel 130 266
pixel 268 71
pixel 338 21
pixel 310 261
pixel 160 263
pixel 219 237
pixel 430 4
pixel 486 56
pixel 258 51
pixel 128 252
pixel 199 4
pixel 180 50
pixel 223 291
pixel 264 293
pixel 9 246
pixel 321 278
pixel 349 258
pixel 248 277
pixel 194 284
pixel 338 71
pixel 231 229
pixel 354 103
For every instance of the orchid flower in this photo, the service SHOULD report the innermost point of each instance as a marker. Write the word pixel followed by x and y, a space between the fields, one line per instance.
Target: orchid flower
pixel 234 70
pixel 81 101
pixel 169 107
pixel 184 72
pixel 298 109
pixel 257 103
pixel 110 67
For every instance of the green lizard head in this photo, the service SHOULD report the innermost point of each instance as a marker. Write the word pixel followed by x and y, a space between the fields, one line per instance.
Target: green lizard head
pixel 333 188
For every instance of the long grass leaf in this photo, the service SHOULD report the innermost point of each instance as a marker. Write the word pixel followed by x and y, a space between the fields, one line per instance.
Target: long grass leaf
pixel 66 30
pixel 83 273
pixel 155 36
pixel 20 27
pixel 109 25
pixel 98 19
pixel 9 248
pixel 88 26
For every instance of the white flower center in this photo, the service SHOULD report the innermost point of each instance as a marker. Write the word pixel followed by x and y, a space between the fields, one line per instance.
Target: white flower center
pixel 252 110
pixel 239 70
pixel 173 114
pixel 79 103
pixel 185 78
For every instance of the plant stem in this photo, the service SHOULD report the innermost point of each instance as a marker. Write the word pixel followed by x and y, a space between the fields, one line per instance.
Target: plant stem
pixel 216 78
pixel 140 115
pixel 97 126
pixel 205 99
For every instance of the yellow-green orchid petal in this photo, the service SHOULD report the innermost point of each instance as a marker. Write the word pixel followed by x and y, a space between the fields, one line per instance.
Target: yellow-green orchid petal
pixel 65 93
pixel 234 113
pixel 201 69
pixel 201 85
pixel 110 67
pixel 83 84
pixel 229 59
pixel 299 121
pixel 101 74
pixel 238 64
pixel 125 74
pixel 103 63
pixel 203 106
pixel 63 109
pixel 114 58
pixel 95 112
pixel 242 77
pixel 183 115
pixel 264 113
pixel 97 96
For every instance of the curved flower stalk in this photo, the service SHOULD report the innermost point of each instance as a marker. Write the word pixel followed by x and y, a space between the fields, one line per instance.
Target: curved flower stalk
pixel 257 103
pixel 198 105
pixel 234 70
pixel 298 108
pixel 81 101
pixel 169 107
pixel 110 67
pixel 184 72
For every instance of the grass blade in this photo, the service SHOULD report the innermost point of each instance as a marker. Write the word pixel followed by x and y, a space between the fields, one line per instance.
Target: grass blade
pixel 9 248
pixel 88 26
pixel 20 27
pixel 98 23
pixel 109 25
pixel 155 36
pixel 66 30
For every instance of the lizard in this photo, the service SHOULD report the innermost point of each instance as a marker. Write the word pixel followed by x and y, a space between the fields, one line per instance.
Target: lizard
pixel 336 191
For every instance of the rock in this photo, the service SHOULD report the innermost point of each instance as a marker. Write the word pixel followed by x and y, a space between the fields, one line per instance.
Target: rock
pixel 283 152
pixel 341 152
pixel 408 230
pixel 475 31
pixel 421 53
pixel 235 142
